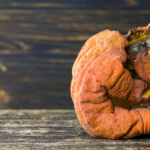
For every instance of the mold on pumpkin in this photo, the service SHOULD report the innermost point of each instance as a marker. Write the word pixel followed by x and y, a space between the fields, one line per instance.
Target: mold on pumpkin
pixel 110 87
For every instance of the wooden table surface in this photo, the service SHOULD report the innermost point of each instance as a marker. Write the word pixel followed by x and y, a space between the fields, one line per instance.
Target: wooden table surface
pixel 40 39
pixel 55 129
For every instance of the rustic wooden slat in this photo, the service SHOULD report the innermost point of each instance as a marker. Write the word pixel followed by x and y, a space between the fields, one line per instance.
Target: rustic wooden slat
pixel 55 129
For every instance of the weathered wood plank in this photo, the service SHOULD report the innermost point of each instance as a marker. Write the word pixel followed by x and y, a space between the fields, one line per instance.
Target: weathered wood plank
pixel 55 129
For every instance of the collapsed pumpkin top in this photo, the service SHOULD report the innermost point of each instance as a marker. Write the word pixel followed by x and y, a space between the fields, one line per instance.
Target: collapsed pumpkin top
pixel 138 35
pixel 139 41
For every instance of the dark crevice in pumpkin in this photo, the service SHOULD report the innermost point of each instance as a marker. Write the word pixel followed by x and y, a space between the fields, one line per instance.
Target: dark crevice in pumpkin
pixel 129 66
pixel 122 103
pixel 126 104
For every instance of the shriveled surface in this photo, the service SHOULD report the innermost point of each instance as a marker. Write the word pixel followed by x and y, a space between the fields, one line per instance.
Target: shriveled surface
pixel 55 129
pixel 98 70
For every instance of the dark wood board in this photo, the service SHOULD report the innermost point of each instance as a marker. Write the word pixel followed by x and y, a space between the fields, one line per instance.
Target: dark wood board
pixel 40 39
pixel 55 129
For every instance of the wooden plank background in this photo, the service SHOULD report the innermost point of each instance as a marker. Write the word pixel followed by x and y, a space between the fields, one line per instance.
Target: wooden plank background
pixel 40 39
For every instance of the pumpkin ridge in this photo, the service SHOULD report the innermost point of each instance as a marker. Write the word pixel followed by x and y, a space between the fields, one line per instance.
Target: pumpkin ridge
pixel 76 98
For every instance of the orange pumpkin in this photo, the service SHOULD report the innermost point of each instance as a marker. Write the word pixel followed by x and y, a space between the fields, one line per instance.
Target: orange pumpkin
pixel 110 87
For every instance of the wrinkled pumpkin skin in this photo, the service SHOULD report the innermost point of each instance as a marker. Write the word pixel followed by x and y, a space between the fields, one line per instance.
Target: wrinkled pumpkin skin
pixel 100 73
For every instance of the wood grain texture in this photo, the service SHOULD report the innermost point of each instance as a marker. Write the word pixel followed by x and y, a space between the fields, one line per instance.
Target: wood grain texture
pixel 39 41
pixel 55 129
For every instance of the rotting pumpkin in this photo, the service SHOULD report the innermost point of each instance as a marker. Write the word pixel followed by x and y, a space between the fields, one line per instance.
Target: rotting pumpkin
pixel 110 87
